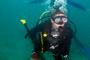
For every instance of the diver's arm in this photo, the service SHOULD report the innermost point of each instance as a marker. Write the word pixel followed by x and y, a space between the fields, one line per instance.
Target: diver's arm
pixel 76 4
pixel 66 47
pixel 33 36
pixel 34 31
pixel 67 44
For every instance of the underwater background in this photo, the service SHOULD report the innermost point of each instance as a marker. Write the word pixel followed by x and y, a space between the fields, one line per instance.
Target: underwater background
pixel 13 45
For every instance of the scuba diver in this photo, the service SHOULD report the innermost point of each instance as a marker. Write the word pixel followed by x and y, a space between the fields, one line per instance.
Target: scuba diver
pixel 57 36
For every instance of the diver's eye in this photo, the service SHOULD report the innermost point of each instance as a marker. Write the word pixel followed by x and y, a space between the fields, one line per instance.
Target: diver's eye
pixel 57 20
pixel 64 19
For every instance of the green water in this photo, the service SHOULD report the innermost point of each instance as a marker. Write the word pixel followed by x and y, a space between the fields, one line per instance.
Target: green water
pixel 13 45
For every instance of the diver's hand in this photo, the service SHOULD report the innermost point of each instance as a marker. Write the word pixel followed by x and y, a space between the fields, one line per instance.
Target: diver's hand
pixel 65 56
pixel 52 47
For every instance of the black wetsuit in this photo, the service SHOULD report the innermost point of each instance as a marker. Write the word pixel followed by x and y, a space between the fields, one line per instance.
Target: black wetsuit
pixel 62 45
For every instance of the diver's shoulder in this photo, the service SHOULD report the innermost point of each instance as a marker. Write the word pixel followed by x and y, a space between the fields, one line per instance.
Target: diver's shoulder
pixel 48 22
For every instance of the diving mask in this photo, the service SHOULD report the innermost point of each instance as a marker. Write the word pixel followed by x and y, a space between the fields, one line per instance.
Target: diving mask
pixel 60 19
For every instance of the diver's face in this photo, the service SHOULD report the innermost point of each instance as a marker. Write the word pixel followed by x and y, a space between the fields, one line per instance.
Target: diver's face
pixel 54 25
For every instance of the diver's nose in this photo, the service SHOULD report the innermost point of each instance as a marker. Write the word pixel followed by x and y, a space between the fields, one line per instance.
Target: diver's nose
pixel 59 26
